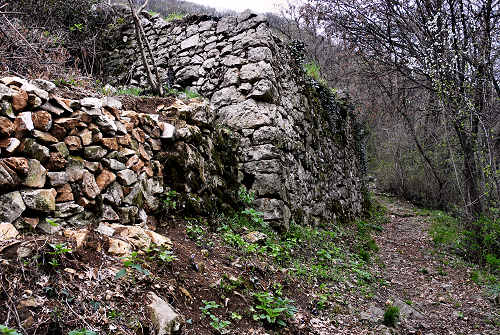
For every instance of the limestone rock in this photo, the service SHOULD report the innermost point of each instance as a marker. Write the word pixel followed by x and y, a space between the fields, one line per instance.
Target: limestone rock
pixel 75 169
pixel 67 209
pixel 19 165
pixel 23 124
pixel 56 162
pixel 105 229
pixel 128 214
pixel 127 177
pixel 260 152
pixel 86 136
pixel 139 237
pixel 64 193
pixel 57 178
pixel 255 71
pixel 36 176
pixel 91 103
pixel 95 153
pixel 35 150
pixel 48 107
pixel 110 102
pixel 19 100
pixel 44 137
pixel 79 236
pixel 106 123
pixel 11 206
pixel 6 127
pixel 89 185
pixel 73 143
pixel 61 148
pixel 255 237
pixel 105 178
pixel 9 145
pixel 118 247
pixel 34 90
pixel 7 232
pixel 263 91
pixel 110 143
pixel 163 316
pixel 114 194
pixel 116 165
pixel 9 178
pixel 190 42
pixel 247 114
pixel 50 228
pixel 6 93
pixel 42 120
pixel 40 200
pixel 44 84
pixel 6 109
pixel 167 130
pixel 108 214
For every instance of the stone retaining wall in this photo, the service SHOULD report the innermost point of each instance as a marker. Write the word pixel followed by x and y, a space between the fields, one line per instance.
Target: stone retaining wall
pixel 70 162
pixel 298 150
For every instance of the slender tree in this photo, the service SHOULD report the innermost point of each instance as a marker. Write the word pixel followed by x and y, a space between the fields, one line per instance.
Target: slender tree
pixel 145 46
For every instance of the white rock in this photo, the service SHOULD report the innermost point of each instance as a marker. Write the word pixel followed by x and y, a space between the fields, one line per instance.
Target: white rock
pixel 164 317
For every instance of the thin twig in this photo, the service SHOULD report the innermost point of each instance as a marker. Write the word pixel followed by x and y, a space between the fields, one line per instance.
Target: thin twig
pixel 22 37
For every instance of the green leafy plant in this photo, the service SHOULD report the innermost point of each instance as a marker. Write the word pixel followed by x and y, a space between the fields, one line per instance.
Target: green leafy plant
pixel 218 324
pixel 187 93
pixel 313 70
pixel 236 316
pixel 161 253
pixel 195 231
pixel 273 309
pixel 170 200
pixel 133 91
pixel 324 256
pixel 113 314
pixel 207 306
pixel 51 222
pixel 59 249
pixel 391 316
pixel 76 27
pixel 246 197
pixel 60 82
pixel 255 216
pixel 167 256
pixel 131 262
pixel 4 330
pixel 174 16
pixel 322 301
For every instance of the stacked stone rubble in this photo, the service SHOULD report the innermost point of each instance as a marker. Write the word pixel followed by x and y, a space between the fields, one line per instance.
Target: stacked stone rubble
pixel 301 164
pixel 72 161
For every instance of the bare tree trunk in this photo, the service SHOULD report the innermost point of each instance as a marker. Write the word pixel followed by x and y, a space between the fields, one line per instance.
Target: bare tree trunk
pixel 143 40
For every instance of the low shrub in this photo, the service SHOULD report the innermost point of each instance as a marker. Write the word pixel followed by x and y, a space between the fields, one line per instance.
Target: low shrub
pixel 391 316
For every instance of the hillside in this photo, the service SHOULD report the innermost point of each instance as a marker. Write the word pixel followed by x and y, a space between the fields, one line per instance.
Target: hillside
pixel 180 171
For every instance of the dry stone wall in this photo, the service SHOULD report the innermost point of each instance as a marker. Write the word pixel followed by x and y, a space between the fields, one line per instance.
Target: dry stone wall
pixel 70 163
pixel 297 149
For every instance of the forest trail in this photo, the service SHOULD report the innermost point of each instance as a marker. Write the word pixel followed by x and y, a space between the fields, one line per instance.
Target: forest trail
pixel 433 289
